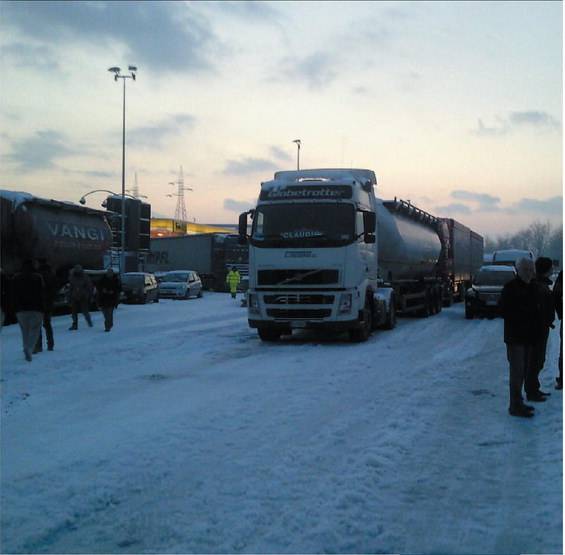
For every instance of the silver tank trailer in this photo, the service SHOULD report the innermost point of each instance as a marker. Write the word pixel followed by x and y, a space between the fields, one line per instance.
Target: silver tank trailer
pixel 407 248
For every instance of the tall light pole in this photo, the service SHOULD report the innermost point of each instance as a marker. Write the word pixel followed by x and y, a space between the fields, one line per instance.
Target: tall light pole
pixel 117 75
pixel 298 144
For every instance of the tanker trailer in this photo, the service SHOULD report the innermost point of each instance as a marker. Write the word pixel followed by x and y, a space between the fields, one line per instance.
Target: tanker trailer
pixel 408 255
pixel 63 233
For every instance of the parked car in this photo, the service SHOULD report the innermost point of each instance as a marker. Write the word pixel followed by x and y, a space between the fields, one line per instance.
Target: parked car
pixel 483 296
pixel 139 287
pixel 180 284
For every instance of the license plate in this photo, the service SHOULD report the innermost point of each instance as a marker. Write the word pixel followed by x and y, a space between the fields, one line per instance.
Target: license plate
pixel 298 324
pixel 492 303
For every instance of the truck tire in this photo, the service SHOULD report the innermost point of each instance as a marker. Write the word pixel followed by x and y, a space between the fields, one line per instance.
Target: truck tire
pixel 390 322
pixel 269 334
pixel 427 310
pixel 362 333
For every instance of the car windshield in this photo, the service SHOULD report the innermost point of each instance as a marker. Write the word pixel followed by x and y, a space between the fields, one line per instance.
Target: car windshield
pixel 493 278
pixel 175 277
pixel 308 225
pixel 132 280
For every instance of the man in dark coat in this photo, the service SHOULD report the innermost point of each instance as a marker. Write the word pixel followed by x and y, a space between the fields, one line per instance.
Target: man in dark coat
pixel 27 290
pixel 50 292
pixel 80 293
pixel 545 323
pixel 558 303
pixel 109 288
pixel 520 310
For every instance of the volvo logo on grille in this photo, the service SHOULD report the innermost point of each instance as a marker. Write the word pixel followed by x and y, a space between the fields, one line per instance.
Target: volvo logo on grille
pixel 286 299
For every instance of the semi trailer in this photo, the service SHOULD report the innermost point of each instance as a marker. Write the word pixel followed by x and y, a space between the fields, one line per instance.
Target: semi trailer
pixel 62 233
pixel 326 253
pixel 210 254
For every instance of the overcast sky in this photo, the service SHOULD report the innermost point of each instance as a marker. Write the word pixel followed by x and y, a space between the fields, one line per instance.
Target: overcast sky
pixel 455 105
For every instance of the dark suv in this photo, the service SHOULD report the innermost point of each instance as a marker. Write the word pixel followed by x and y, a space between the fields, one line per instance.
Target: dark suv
pixel 482 298
pixel 139 287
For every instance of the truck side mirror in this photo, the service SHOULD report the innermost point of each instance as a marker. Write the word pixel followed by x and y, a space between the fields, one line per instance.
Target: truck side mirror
pixel 369 222
pixel 242 229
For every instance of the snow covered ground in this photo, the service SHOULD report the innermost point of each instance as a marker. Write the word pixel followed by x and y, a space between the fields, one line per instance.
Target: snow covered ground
pixel 180 432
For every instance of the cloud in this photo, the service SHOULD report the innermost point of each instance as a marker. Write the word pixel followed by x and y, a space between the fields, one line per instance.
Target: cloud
pixel 553 205
pixel 487 203
pixel 454 208
pixel 237 205
pixel 534 119
pixel 256 11
pixel 315 71
pixel 514 121
pixel 161 36
pixel 155 135
pixel 40 151
pixel 280 154
pixel 41 58
pixel 249 166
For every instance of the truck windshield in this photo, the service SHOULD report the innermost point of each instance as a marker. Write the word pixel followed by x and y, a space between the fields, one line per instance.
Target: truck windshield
pixel 493 278
pixel 303 225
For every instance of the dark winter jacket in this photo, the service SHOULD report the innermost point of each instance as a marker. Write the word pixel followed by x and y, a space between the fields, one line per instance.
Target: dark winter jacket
pixel 27 291
pixel 545 300
pixel 521 309
pixel 50 286
pixel 558 295
pixel 80 286
pixel 108 291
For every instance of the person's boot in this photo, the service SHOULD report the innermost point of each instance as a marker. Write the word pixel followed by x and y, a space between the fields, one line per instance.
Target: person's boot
pixel 536 398
pixel 520 411
pixel 73 327
pixel 27 354
pixel 558 384
pixel 50 347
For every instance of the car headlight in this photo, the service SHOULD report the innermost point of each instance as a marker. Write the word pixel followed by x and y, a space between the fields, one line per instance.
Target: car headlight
pixel 253 303
pixel 345 302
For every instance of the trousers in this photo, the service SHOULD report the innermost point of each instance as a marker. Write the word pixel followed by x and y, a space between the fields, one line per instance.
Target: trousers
pixel 519 358
pixel 108 312
pixel 77 306
pixel 535 365
pixel 30 326
pixel 48 333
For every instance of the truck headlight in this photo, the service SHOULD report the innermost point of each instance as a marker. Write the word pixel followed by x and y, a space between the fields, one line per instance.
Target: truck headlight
pixel 253 303
pixel 345 303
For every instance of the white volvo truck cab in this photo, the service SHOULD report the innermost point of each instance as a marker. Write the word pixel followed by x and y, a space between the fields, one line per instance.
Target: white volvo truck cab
pixel 313 254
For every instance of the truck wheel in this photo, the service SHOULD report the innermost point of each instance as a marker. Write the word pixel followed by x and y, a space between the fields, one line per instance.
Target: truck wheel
pixel 427 310
pixel 267 334
pixel 390 322
pixel 358 335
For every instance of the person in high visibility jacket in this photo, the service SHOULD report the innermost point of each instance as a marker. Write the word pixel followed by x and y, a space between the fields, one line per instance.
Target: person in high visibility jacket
pixel 232 279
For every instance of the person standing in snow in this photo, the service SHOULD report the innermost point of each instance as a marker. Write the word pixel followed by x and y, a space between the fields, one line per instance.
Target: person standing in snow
pixel 108 288
pixel 49 293
pixel 80 293
pixel 232 279
pixel 558 303
pixel 545 301
pixel 27 290
pixel 521 313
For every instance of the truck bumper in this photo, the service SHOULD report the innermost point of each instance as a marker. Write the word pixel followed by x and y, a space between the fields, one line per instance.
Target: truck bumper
pixel 304 324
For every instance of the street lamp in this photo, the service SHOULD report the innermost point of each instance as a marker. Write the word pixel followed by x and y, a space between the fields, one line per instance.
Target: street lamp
pixel 117 75
pixel 298 144
pixel 82 199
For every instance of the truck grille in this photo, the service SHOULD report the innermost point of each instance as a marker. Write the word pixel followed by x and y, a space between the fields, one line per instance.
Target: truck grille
pixel 297 277
pixel 297 298
pixel 299 314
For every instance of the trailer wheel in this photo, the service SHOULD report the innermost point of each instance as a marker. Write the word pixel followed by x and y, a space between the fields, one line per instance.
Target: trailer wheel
pixel 268 334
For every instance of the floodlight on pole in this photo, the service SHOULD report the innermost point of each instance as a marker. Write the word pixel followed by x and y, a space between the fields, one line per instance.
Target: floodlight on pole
pixel 117 75
pixel 298 145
